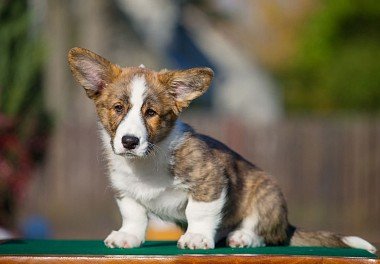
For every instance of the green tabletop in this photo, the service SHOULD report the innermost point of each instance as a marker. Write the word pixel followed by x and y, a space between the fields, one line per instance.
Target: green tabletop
pixel 161 248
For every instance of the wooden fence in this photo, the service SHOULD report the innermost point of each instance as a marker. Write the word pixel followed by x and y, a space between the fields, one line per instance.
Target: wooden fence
pixel 329 170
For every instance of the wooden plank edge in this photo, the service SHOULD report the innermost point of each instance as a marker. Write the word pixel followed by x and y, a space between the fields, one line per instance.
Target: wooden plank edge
pixel 194 259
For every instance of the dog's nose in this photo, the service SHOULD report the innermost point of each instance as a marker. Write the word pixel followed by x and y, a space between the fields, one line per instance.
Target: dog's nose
pixel 130 142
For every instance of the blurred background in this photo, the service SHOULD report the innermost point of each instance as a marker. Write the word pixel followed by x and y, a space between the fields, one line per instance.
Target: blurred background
pixel 296 91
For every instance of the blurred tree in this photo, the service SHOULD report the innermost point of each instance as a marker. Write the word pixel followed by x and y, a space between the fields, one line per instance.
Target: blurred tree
pixel 23 120
pixel 20 60
pixel 337 64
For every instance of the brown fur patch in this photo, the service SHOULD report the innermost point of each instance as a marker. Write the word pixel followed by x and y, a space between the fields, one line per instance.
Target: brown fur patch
pixel 157 99
pixel 208 166
pixel 108 84
pixel 196 165
pixel 316 239
pixel 186 85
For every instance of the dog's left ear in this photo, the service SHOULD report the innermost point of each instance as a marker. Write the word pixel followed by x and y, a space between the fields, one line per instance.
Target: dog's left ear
pixel 186 85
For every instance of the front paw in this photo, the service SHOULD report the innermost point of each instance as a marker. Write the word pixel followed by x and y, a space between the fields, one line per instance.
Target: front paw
pixel 195 241
pixel 121 239
pixel 242 239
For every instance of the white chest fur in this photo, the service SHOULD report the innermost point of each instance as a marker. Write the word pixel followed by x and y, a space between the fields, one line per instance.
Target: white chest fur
pixel 148 181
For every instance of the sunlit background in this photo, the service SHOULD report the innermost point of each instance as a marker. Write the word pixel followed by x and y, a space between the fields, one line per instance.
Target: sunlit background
pixel 296 91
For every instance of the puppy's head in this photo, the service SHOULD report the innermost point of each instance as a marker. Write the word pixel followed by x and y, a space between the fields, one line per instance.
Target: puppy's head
pixel 137 106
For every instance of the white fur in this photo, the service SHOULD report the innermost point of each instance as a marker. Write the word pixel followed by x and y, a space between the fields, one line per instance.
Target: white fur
pixel 132 231
pixel 357 242
pixel 145 178
pixel 147 182
pixel 144 182
pixel 134 217
pixel 203 219
pixel 133 123
pixel 120 239
pixel 245 235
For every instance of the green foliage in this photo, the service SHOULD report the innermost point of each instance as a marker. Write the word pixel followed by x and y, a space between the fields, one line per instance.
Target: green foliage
pixel 337 65
pixel 21 97
pixel 24 124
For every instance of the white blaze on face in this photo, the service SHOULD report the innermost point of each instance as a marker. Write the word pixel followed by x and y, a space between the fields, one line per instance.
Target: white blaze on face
pixel 133 123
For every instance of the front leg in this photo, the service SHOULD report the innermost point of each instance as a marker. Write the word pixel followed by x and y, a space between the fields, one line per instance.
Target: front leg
pixel 203 219
pixel 133 228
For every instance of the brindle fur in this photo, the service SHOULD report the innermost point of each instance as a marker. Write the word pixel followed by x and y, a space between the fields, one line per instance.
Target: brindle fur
pixel 205 165
pixel 209 166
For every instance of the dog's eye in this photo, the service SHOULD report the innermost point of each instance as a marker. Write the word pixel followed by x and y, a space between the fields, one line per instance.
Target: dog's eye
pixel 150 112
pixel 118 108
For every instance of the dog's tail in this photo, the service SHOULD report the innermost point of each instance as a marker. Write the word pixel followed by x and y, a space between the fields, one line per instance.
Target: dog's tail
pixel 328 239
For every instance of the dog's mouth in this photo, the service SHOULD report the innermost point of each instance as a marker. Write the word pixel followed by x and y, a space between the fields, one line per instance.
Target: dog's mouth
pixel 129 155
pixel 150 151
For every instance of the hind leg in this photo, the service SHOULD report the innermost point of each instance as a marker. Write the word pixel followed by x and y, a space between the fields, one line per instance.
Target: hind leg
pixel 245 234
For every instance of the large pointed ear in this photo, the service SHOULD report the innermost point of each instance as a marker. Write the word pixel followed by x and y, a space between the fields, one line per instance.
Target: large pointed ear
pixel 92 71
pixel 186 85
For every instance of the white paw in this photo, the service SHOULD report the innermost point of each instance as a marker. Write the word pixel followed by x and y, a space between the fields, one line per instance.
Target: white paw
pixel 121 239
pixel 241 239
pixel 195 241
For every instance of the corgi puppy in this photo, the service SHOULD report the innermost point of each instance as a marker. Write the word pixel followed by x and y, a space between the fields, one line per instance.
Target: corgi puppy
pixel 159 165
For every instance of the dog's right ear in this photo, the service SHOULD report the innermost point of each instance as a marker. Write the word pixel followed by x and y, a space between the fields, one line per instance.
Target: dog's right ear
pixel 92 71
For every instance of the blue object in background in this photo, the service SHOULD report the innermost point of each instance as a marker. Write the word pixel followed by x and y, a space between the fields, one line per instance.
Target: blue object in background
pixel 36 227
pixel 184 53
